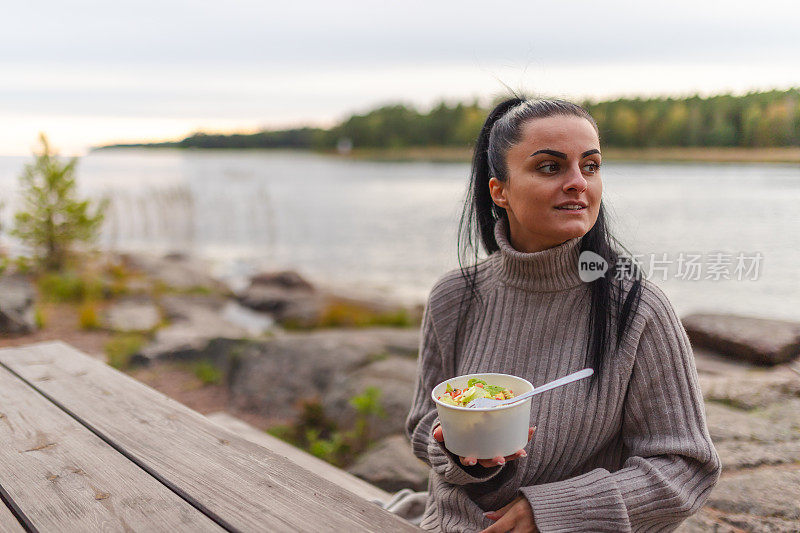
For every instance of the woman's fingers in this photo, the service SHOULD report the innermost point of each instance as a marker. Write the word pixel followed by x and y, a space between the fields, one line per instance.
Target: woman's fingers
pixel 486 463
pixel 494 461
pixel 520 453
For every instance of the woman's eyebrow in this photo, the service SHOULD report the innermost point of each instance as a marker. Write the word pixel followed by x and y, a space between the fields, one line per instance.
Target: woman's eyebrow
pixel 562 155
pixel 554 153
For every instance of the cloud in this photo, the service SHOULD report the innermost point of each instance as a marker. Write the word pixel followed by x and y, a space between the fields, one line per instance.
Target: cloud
pixel 182 65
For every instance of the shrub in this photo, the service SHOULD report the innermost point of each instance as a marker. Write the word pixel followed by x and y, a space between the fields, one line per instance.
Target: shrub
pixel 87 316
pixel 70 286
pixel 39 317
pixel 121 348
pixel 320 436
pixel 207 372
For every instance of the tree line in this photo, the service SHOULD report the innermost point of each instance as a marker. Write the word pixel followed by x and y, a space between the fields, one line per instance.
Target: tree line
pixel 756 119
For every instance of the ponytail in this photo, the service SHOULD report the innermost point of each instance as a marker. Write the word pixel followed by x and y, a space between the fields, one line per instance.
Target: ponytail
pixel 478 205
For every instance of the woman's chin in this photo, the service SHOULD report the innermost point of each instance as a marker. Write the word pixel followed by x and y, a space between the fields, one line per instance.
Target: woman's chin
pixel 571 233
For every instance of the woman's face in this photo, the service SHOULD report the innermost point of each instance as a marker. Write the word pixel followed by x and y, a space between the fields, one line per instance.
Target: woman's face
pixel 556 162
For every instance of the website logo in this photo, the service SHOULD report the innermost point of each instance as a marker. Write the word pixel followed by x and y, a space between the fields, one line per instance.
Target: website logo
pixel 591 266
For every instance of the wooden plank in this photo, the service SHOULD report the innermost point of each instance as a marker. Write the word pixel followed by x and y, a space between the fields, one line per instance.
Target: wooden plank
pixel 8 523
pixel 344 479
pixel 249 487
pixel 65 478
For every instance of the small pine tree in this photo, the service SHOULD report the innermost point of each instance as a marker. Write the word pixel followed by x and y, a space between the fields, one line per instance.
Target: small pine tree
pixel 53 218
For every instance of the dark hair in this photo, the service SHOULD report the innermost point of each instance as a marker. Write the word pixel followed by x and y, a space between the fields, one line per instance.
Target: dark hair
pixel 501 131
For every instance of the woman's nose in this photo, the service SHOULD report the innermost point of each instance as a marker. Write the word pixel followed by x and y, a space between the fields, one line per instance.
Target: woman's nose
pixel 575 181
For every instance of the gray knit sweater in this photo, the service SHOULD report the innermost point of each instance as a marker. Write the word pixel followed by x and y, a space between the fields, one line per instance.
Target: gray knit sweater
pixel 632 454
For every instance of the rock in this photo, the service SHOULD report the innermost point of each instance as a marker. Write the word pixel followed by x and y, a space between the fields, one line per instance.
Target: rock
pixel 286 279
pixel 179 307
pixel 307 365
pixel 753 390
pixel 702 522
pixel 302 367
pixel 762 524
pixel 736 455
pixel 706 521
pixel 286 296
pixel 17 296
pixel 177 271
pixel 391 465
pixel 294 302
pixel 775 422
pixel 132 314
pixel 197 319
pixel 713 364
pixel 747 439
pixel 395 378
pixel 766 492
pixel 253 322
pixel 757 340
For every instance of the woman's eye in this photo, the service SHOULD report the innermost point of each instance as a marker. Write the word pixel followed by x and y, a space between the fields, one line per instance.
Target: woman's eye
pixel 548 167
pixel 591 167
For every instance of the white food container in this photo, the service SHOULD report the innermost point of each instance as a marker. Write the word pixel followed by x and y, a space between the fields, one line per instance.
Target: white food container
pixel 489 432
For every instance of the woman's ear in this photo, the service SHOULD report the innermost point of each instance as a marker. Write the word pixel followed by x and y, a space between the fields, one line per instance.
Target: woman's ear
pixel 497 189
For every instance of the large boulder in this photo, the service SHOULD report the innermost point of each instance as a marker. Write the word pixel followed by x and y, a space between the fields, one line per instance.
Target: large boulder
pixel 748 439
pixel 195 321
pixel 17 296
pixel 760 499
pixel 775 422
pixel 286 296
pixel 756 340
pixel 132 314
pixel 274 376
pixel 393 376
pixel 296 303
pixel 754 390
pixel 391 465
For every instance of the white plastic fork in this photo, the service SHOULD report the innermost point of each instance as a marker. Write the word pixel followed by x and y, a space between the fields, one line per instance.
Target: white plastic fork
pixel 481 403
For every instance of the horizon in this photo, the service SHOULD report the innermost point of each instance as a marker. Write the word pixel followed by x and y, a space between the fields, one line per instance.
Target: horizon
pixel 96 74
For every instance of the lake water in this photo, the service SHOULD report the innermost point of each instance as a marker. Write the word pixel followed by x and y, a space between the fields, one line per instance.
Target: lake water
pixel 391 226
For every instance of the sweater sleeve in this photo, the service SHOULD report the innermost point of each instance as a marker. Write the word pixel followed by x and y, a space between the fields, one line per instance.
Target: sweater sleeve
pixel 671 463
pixel 423 418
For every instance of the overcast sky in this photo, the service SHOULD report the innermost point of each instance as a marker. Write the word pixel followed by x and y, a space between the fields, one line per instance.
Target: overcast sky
pixel 90 72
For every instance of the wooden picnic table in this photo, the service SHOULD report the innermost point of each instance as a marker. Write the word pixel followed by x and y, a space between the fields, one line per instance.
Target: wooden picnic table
pixel 84 447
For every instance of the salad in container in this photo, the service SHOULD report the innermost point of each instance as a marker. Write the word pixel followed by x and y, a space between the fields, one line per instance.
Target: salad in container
pixel 488 432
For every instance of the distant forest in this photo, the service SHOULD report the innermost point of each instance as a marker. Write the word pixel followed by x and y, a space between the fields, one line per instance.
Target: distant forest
pixel 758 120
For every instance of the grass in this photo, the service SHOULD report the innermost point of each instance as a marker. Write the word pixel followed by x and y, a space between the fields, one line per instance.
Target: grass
pixel 66 286
pixel 352 315
pixel 40 317
pixel 122 347
pixel 160 288
pixel 320 436
pixel 88 317
pixel 732 403
pixel 207 373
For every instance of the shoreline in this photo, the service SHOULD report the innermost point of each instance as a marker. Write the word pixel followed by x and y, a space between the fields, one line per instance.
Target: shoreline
pixel 450 154
pixel 657 155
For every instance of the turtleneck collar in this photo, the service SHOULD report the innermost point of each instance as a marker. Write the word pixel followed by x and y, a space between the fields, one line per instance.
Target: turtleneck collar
pixel 553 269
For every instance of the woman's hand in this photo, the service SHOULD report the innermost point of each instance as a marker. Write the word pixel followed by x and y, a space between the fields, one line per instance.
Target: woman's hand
pixel 517 516
pixel 487 463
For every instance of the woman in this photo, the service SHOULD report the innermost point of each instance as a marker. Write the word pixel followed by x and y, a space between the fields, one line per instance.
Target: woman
pixel 627 450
